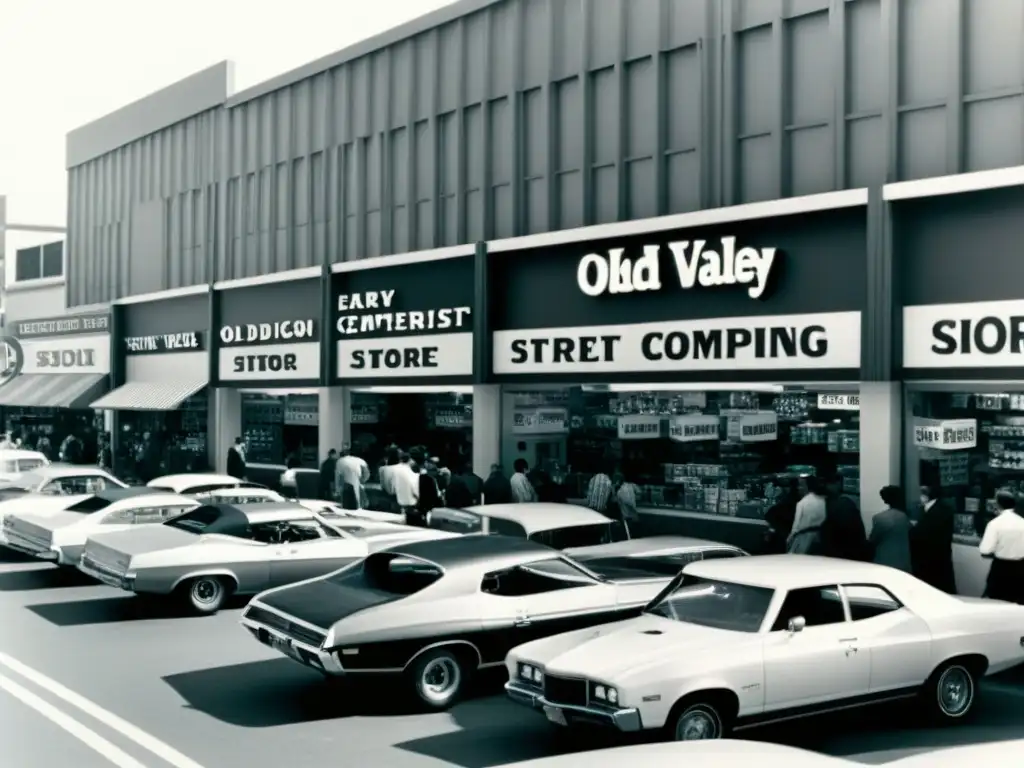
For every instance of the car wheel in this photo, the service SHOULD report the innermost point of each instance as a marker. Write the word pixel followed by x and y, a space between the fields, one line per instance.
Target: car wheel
pixel 205 595
pixel 438 678
pixel 951 692
pixel 696 720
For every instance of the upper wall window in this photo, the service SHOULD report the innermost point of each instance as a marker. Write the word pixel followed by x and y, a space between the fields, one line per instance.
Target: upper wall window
pixel 39 261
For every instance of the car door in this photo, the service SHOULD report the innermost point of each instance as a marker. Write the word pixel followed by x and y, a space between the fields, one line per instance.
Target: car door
pixel 897 641
pixel 307 549
pixel 819 664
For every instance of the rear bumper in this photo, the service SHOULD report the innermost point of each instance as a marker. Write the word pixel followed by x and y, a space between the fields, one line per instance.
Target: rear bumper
pixel 109 577
pixel 623 720
pixel 303 653
pixel 29 546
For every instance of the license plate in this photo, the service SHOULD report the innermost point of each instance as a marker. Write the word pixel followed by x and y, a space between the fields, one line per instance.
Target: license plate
pixel 283 646
pixel 555 715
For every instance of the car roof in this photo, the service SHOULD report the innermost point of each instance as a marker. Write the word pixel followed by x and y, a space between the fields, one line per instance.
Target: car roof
pixel 271 511
pixel 540 516
pixel 20 453
pixel 190 480
pixel 474 550
pixel 117 494
pixel 67 470
pixel 788 571
pixel 650 545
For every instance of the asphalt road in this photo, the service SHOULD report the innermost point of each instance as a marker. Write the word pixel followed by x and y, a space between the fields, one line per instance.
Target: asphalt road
pixel 81 661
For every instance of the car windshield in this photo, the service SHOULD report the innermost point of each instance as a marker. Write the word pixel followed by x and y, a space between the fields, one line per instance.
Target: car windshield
pixel 581 535
pixel 710 603
pixel 12 466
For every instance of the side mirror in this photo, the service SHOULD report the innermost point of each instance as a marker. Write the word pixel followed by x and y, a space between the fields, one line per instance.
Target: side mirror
pixel 796 624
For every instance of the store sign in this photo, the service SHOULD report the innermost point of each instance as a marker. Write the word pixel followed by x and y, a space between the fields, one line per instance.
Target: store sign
pixel 838 402
pixel 696 265
pixel 948 435
pixel 760 427
pixel 365 414
pixel 639 427
pixel 164 342
pixel 828 340
pixel 279 351
pixel 456 417
pixel 423 342
pixel 693 428
pixel 67 325
pixel 985 334
pixel 62 354
pixel 540 421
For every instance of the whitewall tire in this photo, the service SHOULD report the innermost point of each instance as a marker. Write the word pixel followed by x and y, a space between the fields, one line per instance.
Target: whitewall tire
pixel 696 720
pixel 205 595
pixel 438 678
pixel 951 692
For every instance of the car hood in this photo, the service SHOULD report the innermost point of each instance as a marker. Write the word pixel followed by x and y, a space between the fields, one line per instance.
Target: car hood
pixel 45 521
pixel 612 650
pixel 143 539
pixel 36 504
pixel 322 603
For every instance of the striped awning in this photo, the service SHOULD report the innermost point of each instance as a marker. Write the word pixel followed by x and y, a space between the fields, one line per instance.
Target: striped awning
pixel 150 395
pixel 53 390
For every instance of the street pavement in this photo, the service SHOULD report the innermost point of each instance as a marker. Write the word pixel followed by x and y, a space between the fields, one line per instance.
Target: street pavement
pixel 91 677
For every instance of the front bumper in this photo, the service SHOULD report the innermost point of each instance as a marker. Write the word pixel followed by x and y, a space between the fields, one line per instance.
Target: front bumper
pixel 303 653
pixel 29 546
pixel 624 720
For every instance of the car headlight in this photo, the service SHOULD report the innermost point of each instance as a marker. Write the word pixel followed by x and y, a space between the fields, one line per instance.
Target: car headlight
pixel 530 673
pixel 604 694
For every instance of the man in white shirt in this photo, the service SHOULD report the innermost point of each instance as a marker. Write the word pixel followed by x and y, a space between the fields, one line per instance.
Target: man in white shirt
pixel 1003 544
pixel 522 489
pixel 349 475
pixel 405 481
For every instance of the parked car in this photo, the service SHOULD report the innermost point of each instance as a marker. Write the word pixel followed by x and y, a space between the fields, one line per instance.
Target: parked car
pixel 560 526
pixel 332 509
pixel 437 611
pixel 328 509
pixel 662 555
pixel 14 461
pixel 199 483
pixel 59 535
pixel 741 642
pixel 214 551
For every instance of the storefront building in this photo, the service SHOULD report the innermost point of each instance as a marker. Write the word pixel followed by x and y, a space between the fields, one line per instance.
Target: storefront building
pixel 160 369
pixel 55 368
pixel 711 358
pixel 267 368
pixel 403 331
pixel 963 341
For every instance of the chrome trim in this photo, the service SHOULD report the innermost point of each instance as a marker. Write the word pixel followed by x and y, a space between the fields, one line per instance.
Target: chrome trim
pixel 28 545
pixel 328 661
pixel 624 720
pixel 442 644
pixel 103 574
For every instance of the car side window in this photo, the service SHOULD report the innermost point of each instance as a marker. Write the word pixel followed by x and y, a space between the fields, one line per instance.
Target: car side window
pixel 120 517
pixel 867 601
pixel 267 533
pixel 73 486
pixel 818 606
pixel 535 578
pixel 500 527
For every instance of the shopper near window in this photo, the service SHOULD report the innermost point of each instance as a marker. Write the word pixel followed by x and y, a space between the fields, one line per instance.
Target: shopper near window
pixel 429 491
pixel 385 476
pixel 497 488
pixel 460 492
pixel 780 517
pixel 1003 544
pixel 522 490
pixel 626 494
pixel 805 538
pixel 890 531
pixel 600 490
pixel 406 484
pixel 931 542
pixel 350 473
pixel 842 533
pixel 326 482
pixel 236 459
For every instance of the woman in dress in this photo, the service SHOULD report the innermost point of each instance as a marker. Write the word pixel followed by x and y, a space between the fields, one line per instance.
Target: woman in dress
pixel 805 537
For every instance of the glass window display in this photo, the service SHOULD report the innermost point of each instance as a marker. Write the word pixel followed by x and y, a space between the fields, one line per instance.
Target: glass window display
pixel 707 452
pixel 281 429
pixel 178 437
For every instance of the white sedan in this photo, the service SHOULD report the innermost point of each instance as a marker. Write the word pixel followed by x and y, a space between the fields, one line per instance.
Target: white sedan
pixel 59 534
pixel 737 643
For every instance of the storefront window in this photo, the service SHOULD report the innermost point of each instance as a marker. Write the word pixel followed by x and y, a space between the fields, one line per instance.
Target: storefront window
pixel 281 428
pixel 709 452
pixel 179 438
pixel 968 445
pixel 45 429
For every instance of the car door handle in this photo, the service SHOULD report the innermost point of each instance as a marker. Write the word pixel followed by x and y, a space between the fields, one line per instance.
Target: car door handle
pixel 848 640
pixel 522 621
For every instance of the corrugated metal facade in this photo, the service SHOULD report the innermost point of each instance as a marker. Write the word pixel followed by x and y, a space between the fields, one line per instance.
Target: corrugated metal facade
pixel 530 115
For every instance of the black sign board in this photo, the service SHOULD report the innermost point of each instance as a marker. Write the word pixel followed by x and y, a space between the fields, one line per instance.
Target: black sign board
pixel 187 341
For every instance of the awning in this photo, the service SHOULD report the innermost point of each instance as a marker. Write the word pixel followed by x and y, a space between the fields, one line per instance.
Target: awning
pixel 150 395
pixel 53 390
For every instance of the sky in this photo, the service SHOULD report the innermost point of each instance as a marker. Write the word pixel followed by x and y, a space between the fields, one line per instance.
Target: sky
pixel 66 63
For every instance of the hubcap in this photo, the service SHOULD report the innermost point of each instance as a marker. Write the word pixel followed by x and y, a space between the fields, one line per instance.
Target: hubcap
pixel 441 678
pixel 955 691
pixel 696 725
pixel 205 591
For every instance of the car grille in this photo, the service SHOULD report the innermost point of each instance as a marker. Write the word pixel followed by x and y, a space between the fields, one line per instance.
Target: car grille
pixel 565 690
pixel 288 628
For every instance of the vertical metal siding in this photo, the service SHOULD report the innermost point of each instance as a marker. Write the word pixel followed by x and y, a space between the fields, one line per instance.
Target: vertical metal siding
pixel 546 114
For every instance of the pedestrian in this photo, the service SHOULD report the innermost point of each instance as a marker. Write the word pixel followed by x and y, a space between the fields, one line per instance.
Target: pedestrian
pixel 1003 544
pixel 626 499
pixel 327 468
pixel 473 481
pixel 522 489
pixel 805 537
pixel 458 493
pixel 780 517
pixel 600 490
pixel 842 533
pixel 497 488
pixel 429 492
pixel 350 473
pixel 890 531
pixel 385 476
pixel 931 542
pixel 236 458
pixel 7 443
pixel 406 484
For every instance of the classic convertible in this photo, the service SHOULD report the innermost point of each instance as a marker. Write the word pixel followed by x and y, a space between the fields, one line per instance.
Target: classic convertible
pixel 731 644
pixel 214 551
pixel 440 610
pixel 59 535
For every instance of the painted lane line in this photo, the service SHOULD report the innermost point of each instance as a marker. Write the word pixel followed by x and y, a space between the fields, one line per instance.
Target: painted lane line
pixel 111 752
pixel 164 751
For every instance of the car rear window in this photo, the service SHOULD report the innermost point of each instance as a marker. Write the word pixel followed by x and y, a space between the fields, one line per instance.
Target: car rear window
pixel 581 535
pixel 389 573
pixel 633 567
pixel 456 521
pixel 91 504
